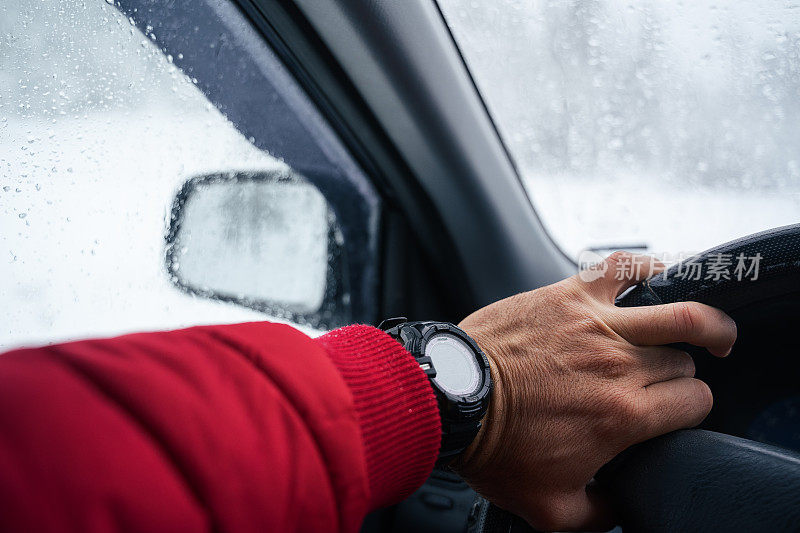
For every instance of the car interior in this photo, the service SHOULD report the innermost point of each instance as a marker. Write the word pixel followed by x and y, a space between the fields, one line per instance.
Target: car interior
pixel 423 213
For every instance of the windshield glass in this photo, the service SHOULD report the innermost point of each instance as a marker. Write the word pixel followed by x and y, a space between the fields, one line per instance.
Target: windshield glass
pixel 666 126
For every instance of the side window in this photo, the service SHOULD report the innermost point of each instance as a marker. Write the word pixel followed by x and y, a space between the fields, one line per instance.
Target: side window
pixel 664 126
pixel 159 168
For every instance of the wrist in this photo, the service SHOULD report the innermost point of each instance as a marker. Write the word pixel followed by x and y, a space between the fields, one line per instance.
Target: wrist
pixel 476 455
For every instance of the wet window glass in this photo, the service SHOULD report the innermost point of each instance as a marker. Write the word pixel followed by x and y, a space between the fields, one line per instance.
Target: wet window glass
pixel 669 126
pixel 98 131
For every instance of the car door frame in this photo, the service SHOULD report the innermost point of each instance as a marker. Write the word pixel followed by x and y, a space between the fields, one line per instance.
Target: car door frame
pixel 390 79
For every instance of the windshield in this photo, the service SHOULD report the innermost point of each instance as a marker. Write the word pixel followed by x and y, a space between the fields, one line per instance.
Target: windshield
pixel 665 126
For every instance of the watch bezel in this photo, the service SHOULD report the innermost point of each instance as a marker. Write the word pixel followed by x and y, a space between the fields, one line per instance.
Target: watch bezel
pixel 441 328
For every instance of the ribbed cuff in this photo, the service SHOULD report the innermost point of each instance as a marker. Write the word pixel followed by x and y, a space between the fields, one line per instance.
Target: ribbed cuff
pixel 396 408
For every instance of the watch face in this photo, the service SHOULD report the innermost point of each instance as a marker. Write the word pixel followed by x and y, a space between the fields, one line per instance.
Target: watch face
pixel 457 371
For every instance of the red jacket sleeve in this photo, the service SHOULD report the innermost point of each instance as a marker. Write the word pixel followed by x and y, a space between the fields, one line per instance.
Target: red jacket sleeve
pixel 248 427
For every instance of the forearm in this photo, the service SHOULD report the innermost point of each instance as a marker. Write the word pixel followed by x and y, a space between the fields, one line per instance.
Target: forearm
pixel 230 428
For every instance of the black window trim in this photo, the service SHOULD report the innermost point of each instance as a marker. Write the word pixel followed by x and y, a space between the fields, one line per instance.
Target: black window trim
pixel 354 56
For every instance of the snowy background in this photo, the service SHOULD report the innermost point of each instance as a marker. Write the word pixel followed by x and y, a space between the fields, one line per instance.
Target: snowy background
pixel 98 130
pixel 670 124
pixel 674 124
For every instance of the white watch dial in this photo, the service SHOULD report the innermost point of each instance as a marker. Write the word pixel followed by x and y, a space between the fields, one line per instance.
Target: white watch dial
pixel 457 371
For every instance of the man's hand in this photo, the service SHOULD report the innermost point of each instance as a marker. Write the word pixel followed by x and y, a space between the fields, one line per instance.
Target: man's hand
pixel 577 380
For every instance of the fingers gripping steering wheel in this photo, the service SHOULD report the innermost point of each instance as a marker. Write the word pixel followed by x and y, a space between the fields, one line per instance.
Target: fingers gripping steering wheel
pixel 697 479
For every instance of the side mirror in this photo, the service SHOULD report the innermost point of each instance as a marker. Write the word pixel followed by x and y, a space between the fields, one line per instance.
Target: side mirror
pixel 265 240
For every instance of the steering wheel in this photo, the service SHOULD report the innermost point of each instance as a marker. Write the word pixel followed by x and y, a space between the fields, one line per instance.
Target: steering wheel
pixel 698 479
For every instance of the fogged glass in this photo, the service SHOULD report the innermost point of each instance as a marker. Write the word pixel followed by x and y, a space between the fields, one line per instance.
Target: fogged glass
pixel 671 125
pixel 256 239
pixel 98 130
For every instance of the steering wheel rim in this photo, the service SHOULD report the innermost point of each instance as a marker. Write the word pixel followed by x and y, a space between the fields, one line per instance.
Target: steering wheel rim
pixel 778 268
pixel 698 479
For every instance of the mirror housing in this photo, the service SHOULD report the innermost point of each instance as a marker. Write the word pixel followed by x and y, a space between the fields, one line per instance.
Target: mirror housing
pixel 265 240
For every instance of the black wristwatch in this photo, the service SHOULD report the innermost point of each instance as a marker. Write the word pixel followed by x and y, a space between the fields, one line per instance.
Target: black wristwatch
pixel 459 374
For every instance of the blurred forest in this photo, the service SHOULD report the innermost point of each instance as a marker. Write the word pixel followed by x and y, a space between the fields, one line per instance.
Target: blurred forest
pixel 701 92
